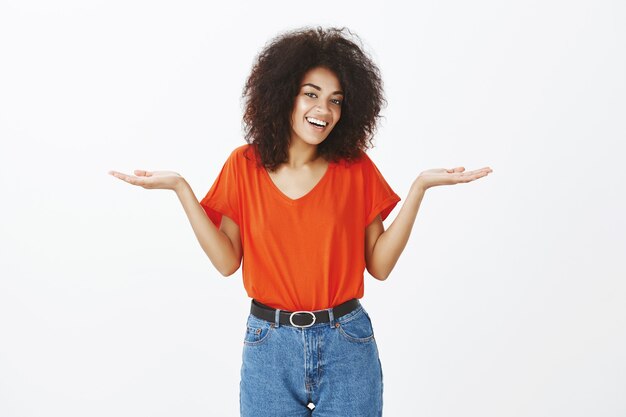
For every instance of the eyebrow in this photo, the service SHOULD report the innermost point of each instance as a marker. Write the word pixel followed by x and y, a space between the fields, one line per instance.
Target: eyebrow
pixel 319 89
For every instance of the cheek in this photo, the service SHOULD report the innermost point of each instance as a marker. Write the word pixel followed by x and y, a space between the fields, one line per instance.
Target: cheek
pixel 299 110
pixel 296 112
pixel 300 104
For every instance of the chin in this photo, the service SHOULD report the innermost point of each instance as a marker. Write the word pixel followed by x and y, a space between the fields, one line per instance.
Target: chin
pixel 313 141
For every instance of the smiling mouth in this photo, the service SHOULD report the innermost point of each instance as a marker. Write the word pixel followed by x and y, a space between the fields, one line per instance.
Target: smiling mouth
pixel 316 123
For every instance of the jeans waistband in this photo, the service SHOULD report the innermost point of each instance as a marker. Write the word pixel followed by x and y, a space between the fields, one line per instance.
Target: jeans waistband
pixel 302 318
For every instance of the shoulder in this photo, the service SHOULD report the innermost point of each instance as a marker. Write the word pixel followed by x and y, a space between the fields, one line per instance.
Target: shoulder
pixel 355 164
pixel 368 164
pixel 244 153
pixel 368 168
pixel 239 155
pixel 239 151
pixel 242 162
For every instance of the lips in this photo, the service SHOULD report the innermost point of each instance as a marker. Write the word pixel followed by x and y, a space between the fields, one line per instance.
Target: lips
pixel 316 127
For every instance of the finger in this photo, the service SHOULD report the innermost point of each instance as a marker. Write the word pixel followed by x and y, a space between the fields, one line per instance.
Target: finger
pixel 136 180
pixel 477 174
pixel 130 179
pixel 143 173
pixel 477 171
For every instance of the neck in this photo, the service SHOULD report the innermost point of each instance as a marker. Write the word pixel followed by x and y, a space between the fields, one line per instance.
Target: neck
pixel 301 154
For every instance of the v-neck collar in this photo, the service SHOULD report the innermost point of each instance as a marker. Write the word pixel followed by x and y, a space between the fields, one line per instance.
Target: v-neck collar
pixel 312 191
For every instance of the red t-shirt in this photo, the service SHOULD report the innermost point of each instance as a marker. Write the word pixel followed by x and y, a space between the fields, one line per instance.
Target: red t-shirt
pixel 307 253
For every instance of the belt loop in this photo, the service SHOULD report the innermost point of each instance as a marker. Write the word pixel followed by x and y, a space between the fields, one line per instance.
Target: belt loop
pixel 331 317
pixel 277 317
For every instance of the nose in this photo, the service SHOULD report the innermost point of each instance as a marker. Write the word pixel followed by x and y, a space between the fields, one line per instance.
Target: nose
pixel 322 108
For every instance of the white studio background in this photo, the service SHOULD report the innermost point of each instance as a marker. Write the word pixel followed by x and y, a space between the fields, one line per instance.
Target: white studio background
pixel 509 299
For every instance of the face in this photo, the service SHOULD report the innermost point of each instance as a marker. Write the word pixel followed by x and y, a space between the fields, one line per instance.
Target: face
pixel 318 103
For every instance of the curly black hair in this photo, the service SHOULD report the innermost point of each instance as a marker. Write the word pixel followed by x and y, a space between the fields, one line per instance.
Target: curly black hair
pixel 270 91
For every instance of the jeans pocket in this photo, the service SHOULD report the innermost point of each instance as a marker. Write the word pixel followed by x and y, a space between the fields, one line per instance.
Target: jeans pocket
pixel 257 331
pixel 357 328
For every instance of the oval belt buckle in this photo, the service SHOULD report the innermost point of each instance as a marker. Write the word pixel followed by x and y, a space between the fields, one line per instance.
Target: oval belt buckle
pixel 296 312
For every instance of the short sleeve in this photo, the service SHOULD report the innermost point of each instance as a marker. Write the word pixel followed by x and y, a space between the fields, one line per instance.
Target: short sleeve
pixel 223 196
pixel 379 196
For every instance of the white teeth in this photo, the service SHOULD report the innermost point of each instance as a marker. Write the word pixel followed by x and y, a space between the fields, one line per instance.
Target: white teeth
pixel 316 121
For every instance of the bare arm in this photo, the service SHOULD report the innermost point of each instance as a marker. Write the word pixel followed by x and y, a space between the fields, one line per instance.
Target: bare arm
pixel 223 245
pixel 384 247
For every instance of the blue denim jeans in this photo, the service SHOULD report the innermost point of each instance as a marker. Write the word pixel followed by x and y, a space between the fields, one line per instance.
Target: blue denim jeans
pixel 335 366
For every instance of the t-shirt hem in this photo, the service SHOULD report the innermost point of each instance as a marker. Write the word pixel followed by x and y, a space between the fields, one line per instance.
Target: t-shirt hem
pixel 223 211
pixel 388 203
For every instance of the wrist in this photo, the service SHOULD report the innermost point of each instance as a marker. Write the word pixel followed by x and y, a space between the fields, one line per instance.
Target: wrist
pixel 418 186
pixel 180 185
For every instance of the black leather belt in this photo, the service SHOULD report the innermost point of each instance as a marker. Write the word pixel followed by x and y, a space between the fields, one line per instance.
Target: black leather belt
pixel 301 318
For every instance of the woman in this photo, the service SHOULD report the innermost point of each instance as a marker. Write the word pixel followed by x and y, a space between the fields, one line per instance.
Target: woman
pixel 305 204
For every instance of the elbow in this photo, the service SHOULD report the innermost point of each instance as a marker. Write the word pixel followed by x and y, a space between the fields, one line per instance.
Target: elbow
pixel 379 275
pixel 225 273
pixel 229 264
pixel 228 272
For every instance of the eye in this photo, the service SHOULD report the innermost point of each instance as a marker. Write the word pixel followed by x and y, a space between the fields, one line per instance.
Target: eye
pixel 337 101
pixel 310 94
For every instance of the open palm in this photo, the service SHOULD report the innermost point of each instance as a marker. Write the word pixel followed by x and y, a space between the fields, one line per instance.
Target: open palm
pixel 166 180
pixel 442 176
